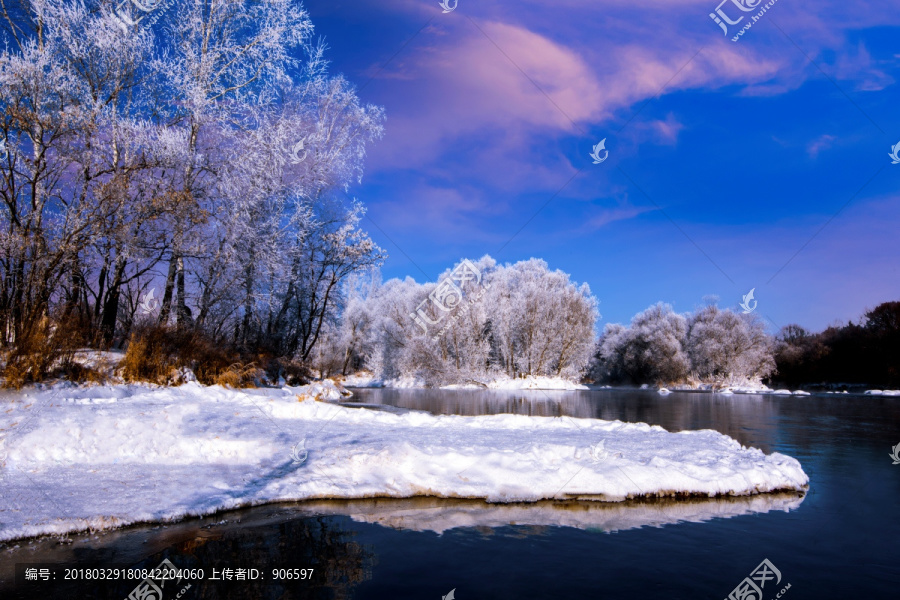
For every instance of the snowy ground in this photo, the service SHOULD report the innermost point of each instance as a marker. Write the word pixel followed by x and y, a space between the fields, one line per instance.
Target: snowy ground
pixel 96 457
pixel 367 380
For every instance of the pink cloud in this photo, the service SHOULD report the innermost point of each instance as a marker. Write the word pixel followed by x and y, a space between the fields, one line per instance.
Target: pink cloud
pixel 470 88
pixel 823 142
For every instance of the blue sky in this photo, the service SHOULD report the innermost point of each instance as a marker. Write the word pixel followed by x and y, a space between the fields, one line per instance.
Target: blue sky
pixel 761 163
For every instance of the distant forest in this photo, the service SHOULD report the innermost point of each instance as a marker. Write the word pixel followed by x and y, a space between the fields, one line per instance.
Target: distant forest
pixel 863 353
pixel 724 347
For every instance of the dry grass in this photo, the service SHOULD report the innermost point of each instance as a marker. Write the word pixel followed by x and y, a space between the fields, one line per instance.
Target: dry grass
pixel 148 360
pixel 154 354
pixel 240 376
pixel 293 372
pixel 158 355
pixel 40 353
pixel 79 373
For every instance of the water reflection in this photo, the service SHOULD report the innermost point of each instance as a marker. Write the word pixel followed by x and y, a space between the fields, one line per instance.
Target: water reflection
pixel 321 535
pixel 752 419
pixel 440 515
pixel 419 548
pixel 264 538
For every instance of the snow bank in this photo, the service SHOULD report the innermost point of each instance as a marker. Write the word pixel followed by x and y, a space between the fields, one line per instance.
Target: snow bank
pixel 535 383
pixel 106 456
pixel 363 379
pixel 320 391
pixel 405 383
pixel 728 385
pixel 529 383
pixel 367 380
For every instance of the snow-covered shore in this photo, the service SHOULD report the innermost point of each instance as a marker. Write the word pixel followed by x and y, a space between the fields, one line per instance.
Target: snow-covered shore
pixel 99 457
pixel 367 380
pixel 742 386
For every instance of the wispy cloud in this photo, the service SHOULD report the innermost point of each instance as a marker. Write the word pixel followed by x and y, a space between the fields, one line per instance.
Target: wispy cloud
pixel 822 142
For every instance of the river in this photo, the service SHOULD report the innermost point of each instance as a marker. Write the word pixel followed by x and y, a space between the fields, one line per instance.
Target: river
pixel 836 541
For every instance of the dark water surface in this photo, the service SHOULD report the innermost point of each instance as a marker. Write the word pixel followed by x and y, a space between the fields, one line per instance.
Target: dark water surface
pixel 840 540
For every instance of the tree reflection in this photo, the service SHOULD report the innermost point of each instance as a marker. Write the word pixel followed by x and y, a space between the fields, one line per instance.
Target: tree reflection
pixel 325 544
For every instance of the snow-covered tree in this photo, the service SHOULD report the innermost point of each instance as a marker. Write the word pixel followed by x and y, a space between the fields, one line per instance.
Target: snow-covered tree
pixel 204 154
pixel 653 349
pixel 661 346
pixel 724 345
pixel 520 319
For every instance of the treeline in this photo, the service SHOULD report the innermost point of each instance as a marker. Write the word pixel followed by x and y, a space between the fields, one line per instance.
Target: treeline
pixel 478 322
pixel 720 346
pixel 863 353
pixel 663 347
pixel 186 178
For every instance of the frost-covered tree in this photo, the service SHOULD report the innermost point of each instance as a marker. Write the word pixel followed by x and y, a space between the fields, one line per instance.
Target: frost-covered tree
pixel 520 319
pixel 608 362
pixel 539 321
pixel 652 349
pixel 203 155
pixel 663 347
pixel 724 345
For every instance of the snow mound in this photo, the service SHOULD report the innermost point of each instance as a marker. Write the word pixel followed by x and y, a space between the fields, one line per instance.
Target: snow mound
pixel 727 385
pixel 160 454
pixel 535 383
pixel 321 391
pixel 363 379
pixel 404 382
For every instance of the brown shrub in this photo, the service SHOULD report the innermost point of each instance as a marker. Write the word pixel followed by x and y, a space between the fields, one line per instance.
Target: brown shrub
pixel 79 373
pixel 158 354
pixel 40 352
pixel 240 376
pixel 294 373
pixel 148 358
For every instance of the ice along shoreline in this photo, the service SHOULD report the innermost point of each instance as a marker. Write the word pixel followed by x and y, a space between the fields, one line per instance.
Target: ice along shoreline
pixel 108 456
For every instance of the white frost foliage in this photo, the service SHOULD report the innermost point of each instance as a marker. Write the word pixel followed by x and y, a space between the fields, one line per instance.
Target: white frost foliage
pixel 655 349
pixel 728 346
pixel 520 320
pixel 161 149
pixel 661 347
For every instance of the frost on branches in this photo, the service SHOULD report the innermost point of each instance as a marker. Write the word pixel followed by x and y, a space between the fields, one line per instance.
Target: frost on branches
pixel 204 158
pixel 518 320
pixel 660 346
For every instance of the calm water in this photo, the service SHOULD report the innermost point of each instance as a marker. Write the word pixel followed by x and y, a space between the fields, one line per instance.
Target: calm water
pixel 838 541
